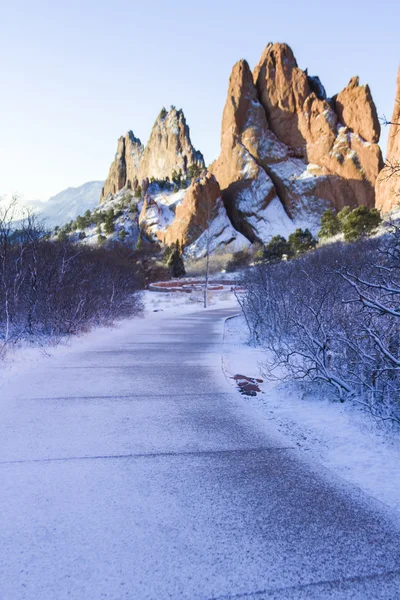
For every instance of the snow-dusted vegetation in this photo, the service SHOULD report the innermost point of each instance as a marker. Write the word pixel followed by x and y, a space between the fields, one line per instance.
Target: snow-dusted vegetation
pixel 331 317
pixel 51 288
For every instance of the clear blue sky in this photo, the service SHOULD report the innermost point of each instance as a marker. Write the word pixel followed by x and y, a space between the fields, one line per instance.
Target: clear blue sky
pixel 76 75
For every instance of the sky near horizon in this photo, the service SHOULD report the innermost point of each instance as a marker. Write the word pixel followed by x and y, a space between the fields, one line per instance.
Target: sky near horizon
pixel 76 75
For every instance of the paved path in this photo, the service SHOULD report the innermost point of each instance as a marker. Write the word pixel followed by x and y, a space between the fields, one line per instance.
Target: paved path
pixel 131 469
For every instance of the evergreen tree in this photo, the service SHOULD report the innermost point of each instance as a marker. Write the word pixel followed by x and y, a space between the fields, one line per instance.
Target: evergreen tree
pixel 343 214
pixel 360 222
pixel 276 249
pixel 140 243
pixel 109 225
pixel 330 224
pixel 138 192
pixel 167 253
pixel 301 241
pixel 122 235
pixel 193 171
pixel 175 262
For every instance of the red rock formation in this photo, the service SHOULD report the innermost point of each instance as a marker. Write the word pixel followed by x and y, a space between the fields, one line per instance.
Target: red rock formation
pixel 341 139
pixel 282 89
pixel 117 174
pixel 287 153
pixel 245 142
pixel 280 129
pixel 193 215
pixel 356 109
pixel 169 149
pixel 388 184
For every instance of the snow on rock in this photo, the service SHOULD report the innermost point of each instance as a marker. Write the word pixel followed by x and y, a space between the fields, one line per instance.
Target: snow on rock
pixel 298 185
pixel 220 236
pixel 158 209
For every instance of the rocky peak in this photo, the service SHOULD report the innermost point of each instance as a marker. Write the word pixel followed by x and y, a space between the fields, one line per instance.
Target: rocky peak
pixel 393 149
pixel 169 149
pixel 388 184
pixel 117 174
pixel 356 109
pixel 133 155
pixel 282 89
pixel 284 142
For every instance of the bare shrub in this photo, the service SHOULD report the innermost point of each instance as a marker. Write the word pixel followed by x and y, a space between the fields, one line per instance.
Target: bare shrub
pixel 332 317
pixel 53 288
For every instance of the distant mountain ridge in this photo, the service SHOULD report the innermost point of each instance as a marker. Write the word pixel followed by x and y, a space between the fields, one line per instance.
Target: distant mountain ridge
pixel 68 204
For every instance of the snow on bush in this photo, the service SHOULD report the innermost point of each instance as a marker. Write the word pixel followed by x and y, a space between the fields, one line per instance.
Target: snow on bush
pixel 55 288
pixel 332 317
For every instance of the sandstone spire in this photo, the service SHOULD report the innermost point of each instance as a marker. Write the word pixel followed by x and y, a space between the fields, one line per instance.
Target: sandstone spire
pixel 282 139
pixel 169 149
pixel 117 174
pixel 356 109
pixel 245 140
pixel 388 184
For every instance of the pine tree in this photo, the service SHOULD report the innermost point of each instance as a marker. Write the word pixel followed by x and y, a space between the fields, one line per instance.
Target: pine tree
pixel 330 224
pixel 276 249
pixel 175 262
pixel 122 235
pixel 344 213
pixel 360 222
pixel 301 241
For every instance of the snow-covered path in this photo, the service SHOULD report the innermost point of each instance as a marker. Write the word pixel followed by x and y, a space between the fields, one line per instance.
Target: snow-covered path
pixel 131 469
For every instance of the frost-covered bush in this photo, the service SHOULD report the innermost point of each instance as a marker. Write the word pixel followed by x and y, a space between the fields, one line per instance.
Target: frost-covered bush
pixel 50 287
pixel 333 317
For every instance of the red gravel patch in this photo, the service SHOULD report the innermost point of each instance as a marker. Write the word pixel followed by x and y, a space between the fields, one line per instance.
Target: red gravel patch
pixel 248 386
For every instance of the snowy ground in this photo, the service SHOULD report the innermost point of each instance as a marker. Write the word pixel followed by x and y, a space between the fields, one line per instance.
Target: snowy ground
pixel 130 468
pixel 17 361
pixel 345 440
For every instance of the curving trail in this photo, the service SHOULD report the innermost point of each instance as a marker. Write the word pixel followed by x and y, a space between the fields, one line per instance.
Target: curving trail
pixel 131 469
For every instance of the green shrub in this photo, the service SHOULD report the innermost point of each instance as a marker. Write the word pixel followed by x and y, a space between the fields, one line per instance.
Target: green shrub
pixel 360 222
pixel 302 241
pixel 344 213
pixel 194 171
pixel 109 226
pixel 276 249
pixel 239 259
pixel 122 235
pixel 330 224
pixel 62 235
pixel 175 262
